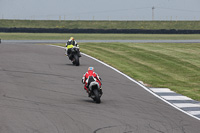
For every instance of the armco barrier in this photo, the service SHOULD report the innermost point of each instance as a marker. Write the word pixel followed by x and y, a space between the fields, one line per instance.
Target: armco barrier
pixel 125 31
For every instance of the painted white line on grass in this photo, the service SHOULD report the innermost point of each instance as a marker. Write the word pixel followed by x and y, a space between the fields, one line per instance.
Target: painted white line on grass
pixel 136 82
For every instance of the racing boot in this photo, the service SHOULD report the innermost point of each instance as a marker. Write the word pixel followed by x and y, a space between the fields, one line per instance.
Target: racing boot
pixel 66 52
pixel 89 94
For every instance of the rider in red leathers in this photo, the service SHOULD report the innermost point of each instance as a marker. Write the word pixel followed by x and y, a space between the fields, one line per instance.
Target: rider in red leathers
pixel 95 76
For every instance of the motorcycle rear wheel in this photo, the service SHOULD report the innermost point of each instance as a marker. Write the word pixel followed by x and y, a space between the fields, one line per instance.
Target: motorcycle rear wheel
pixel 76 62
pixel 97 97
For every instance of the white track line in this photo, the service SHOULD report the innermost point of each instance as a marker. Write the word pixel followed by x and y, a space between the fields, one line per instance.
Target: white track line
pixel 144 87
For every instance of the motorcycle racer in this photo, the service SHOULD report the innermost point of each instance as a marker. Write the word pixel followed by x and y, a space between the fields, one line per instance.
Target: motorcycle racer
pixel 70 44
pixel 88 76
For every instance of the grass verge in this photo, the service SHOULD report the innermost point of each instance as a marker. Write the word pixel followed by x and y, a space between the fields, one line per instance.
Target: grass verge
pixel 63 36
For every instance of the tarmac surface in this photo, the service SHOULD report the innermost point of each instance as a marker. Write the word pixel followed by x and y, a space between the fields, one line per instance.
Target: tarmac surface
pixel 41 92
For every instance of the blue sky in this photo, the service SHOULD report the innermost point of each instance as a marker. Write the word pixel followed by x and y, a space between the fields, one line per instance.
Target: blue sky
pixel 100 9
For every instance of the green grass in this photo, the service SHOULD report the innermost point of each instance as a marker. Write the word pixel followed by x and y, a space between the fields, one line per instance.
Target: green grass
pixel 63 36
pixel 171 65
pixel 187 25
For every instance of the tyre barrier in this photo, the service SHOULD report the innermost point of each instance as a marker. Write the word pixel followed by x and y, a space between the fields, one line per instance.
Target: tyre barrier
pixel 124 31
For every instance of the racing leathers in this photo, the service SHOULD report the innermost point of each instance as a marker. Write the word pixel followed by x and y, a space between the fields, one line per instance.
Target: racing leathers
pixel 85 80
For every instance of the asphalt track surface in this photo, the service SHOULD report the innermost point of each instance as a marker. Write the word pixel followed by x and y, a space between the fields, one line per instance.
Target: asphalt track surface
pixel 41 92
